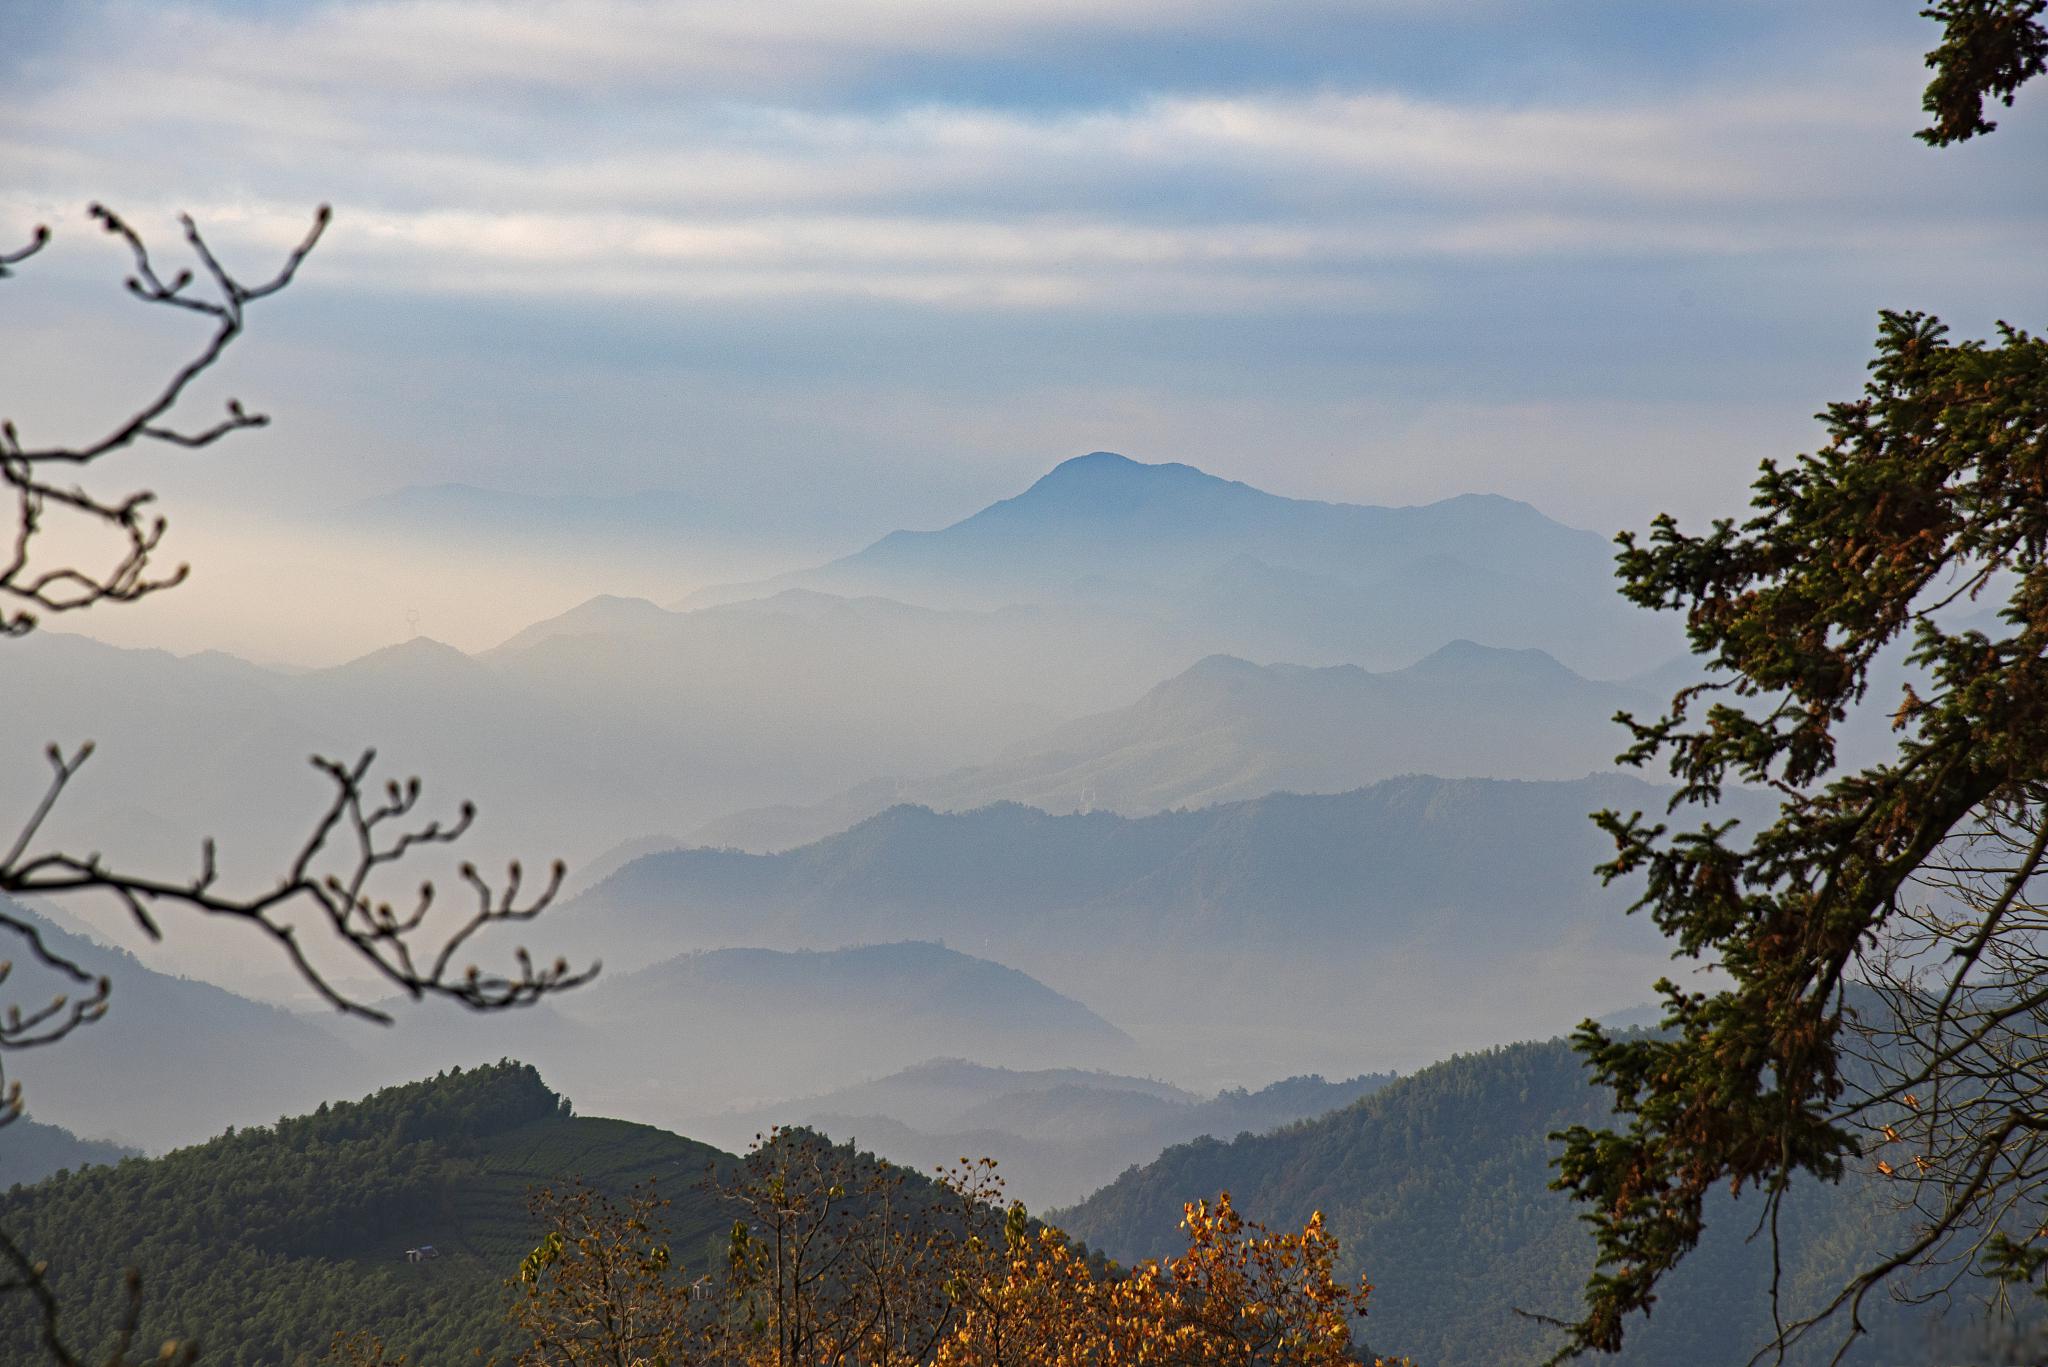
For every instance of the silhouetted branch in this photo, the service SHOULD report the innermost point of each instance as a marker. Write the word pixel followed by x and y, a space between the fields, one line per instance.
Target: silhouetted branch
pixel 37 241
pixel 327 887
pixel 358 834
pixel 26 1276
pixel 26 469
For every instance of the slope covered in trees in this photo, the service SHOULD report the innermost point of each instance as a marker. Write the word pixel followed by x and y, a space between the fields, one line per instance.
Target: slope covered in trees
pixel 263 1244
pixel 1438 1185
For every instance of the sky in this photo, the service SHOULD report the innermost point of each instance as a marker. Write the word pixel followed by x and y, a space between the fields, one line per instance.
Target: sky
pixel 832 268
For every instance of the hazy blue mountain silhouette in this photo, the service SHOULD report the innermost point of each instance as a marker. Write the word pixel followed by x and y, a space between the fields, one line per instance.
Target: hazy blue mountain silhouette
pixel 1227 729
pixel 151 1072
pixel 913 981
pixel 1287 866
pixel 700 1033
pixel 33 1151
pixel 1059 1133
pixel 1272 577
pixel 674 1038
pixel 1427 913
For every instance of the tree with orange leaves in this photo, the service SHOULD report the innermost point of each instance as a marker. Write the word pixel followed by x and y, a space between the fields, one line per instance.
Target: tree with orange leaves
pixel 1241 1296
pixel 839 1260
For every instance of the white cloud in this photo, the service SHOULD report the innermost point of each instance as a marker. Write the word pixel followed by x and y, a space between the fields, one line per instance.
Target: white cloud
pixel 419 118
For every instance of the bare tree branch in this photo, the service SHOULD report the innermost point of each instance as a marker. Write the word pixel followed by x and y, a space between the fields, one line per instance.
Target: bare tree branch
pixel 28 470
pixel 328 894
pixel 357 835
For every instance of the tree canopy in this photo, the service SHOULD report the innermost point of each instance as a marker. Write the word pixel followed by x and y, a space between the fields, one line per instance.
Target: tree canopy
pixel 1928 502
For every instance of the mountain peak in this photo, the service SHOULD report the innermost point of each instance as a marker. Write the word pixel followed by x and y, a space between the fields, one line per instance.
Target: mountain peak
pixel 1107 469
pixel 1463 656
pixel 419 656
pixel 1104 488
pixel 1095 460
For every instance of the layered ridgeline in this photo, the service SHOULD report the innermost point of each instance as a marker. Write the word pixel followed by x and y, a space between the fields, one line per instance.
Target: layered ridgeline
pixel 620 717
pixel 148 1073
pixel 617 718
pixel 708 1031
pixel 1227 729
pixel 1404 920
pixel 264 1243
pixel 1060 1133
pixel 678 1038
pixel 1438 1186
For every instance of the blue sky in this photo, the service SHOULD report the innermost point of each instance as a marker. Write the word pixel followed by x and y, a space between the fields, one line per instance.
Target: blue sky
pixel 845 266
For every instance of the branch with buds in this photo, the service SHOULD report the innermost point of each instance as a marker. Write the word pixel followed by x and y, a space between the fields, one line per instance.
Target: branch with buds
pixel 27 588
pixel 328 891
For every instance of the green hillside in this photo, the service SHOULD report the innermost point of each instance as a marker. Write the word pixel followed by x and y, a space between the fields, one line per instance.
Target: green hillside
pixel 263 1243
pixel 1437 1184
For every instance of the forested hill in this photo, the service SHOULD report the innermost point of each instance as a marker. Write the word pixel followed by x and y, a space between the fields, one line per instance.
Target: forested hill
pixel 1438 1186
pixel 264 1243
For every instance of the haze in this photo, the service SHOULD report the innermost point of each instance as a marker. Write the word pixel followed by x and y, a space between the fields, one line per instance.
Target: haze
pixel 823 271
pixel 1047 567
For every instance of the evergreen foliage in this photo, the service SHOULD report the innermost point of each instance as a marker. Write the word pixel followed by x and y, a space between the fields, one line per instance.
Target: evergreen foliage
pixel 1931 491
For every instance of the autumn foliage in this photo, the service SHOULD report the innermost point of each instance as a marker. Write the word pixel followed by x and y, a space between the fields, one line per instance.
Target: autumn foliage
pixel 839 1261
pixel 1240 1295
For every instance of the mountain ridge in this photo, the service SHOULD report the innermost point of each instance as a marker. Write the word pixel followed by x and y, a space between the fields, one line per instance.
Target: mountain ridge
pixel 1226 729
pixel 1391 904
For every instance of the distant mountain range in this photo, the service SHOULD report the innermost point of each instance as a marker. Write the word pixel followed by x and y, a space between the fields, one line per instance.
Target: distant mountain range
pixel 747 1025
pixel 695 1034
pixel 1069 601
pixel 1510 859
pixel 1428 913
pixel 1227 729
pixel 1059 1133
pixel 31 1151
pixel 149 1073
pixel 1276 578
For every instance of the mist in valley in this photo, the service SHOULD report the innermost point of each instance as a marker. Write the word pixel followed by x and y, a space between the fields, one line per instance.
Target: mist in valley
pixel 1026 582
